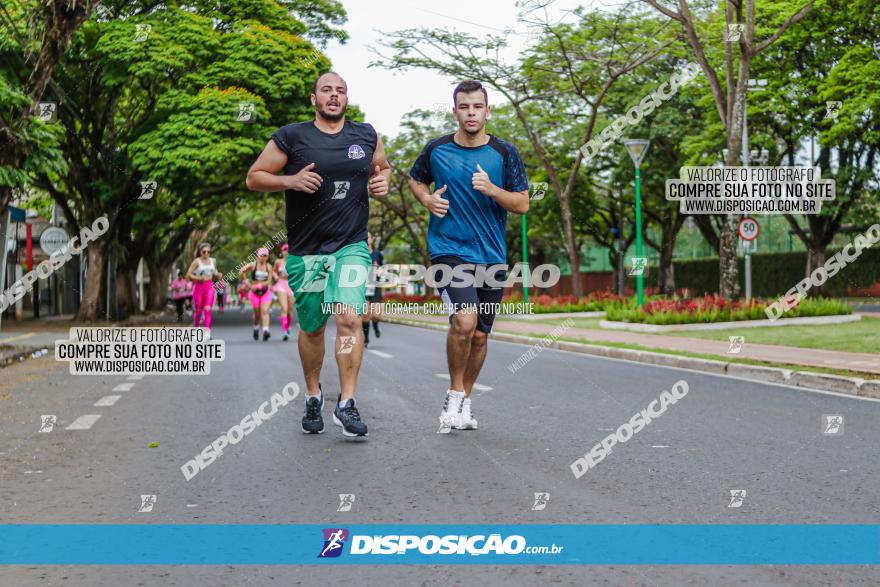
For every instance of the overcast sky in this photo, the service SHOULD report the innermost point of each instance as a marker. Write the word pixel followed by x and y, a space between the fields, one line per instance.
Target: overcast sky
pixel 386 96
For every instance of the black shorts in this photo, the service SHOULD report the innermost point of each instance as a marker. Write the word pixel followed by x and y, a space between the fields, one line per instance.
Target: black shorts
pixel 480 298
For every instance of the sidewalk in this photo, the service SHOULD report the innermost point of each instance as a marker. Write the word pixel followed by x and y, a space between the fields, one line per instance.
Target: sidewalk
pixel 21 339
pixel 862 362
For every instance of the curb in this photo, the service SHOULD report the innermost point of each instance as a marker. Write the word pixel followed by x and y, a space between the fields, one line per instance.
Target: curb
pixel 699 327
pixel 23 353
pixel 803 379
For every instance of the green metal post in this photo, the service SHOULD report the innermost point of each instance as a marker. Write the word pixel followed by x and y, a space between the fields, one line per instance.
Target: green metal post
pixel 640 278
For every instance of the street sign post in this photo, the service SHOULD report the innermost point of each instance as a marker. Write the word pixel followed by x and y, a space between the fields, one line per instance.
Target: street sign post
pixel 749 229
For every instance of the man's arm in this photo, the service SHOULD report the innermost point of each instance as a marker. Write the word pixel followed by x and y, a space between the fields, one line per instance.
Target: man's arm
pixel 263 174
pixel 511 201
pixel 381 177
pixel 433 201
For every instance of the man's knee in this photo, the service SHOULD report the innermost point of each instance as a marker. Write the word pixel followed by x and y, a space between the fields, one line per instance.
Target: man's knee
pixel 479 338
pixel 316 334
pixel 463 324
pixel 348 322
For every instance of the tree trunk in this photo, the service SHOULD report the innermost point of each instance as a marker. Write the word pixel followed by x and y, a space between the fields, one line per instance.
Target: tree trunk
pixel 91 300
pixel 728 264
pixel 571 246
pixel 126 292
pixel 666 278
pixel 817 254
pixel 158 292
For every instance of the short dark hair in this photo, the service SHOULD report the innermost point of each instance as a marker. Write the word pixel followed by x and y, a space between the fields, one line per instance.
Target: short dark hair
pixel 317 79
pixel 467 87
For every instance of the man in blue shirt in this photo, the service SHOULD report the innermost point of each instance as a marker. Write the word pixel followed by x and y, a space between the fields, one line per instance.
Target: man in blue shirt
pixel 478 178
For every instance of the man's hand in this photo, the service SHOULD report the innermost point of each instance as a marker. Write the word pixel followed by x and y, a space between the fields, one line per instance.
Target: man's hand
pixel 437 204
pixel 378 185
pixel 306 180
pixel 482 183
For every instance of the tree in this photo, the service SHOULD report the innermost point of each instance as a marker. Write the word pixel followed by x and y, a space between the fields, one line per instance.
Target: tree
pixel 827 59
pixel 163 104
pixel 729 91
pixel 33 39
pixel 569 72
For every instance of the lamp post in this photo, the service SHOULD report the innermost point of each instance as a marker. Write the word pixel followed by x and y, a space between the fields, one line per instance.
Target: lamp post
pixel 637 149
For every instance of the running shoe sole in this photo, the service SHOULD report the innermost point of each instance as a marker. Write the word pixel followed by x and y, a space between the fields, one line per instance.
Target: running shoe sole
pixel 321 431
pixel 446 425
pixel 344 431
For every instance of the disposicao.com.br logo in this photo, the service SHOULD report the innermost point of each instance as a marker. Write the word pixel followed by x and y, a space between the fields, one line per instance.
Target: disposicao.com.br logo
pixel 494 544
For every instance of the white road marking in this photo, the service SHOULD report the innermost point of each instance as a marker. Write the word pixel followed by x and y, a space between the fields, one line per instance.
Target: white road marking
pixel 380 354
pixel 15 338
pixel 136 377
pixel 123 387
pixel 84 422
pixel 659 446
pixel 107 400
pixel 477 386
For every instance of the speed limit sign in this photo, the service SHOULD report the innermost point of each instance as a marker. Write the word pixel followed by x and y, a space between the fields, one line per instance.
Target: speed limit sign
pixel 749 229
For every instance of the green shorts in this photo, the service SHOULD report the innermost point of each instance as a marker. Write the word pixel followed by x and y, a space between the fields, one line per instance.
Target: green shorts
pixel 318 281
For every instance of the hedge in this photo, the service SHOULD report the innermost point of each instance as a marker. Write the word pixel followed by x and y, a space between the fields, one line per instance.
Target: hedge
pixel 773 274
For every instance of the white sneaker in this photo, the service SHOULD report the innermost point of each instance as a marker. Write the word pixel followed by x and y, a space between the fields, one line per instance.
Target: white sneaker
pixel 467 420
pixel 450 417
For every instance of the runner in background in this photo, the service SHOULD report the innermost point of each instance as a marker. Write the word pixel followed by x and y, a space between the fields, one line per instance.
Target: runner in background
pixel 260 295
pixel 188 298
pixel 242 294
pixel 373 312
pixel 221 295
pixel 284 293
pixel 202 272
pixel 179 293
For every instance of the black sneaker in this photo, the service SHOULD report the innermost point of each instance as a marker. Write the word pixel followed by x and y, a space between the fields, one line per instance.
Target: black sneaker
pixel 376 329
pixel 265 335
pixel 312 422
pixel 256 334
pixel 350 420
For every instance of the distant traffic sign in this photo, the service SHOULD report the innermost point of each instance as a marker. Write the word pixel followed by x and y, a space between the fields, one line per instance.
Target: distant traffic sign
pixel 52 239
pixel 749 229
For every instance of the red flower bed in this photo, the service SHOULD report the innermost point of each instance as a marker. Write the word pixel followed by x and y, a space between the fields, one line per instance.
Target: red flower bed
pixel 409 299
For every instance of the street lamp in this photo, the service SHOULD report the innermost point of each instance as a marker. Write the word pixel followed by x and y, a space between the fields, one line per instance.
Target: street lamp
pixel 637 149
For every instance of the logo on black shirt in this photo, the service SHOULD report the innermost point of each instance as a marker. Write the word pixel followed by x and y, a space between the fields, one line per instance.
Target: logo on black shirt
pixel 341 189
pixel 356 152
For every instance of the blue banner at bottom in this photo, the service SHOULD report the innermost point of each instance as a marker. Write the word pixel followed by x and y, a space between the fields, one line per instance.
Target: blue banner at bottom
pixel 487 544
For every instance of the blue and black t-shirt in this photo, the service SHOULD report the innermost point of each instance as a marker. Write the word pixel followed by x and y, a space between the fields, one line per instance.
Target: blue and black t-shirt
pixel 475 225
pixel 336 215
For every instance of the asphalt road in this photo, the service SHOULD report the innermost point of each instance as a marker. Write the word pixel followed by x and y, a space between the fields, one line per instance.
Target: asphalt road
pixel 725 434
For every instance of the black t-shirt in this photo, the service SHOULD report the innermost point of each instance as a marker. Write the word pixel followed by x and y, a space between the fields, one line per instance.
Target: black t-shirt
pixel 378 258
pixel 336 215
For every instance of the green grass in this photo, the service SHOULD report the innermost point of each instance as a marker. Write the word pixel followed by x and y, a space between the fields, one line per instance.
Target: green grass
pixel 855 337
pixel 578 322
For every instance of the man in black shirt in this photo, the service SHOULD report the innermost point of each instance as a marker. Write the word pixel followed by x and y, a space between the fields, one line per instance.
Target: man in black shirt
pixel 328 167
